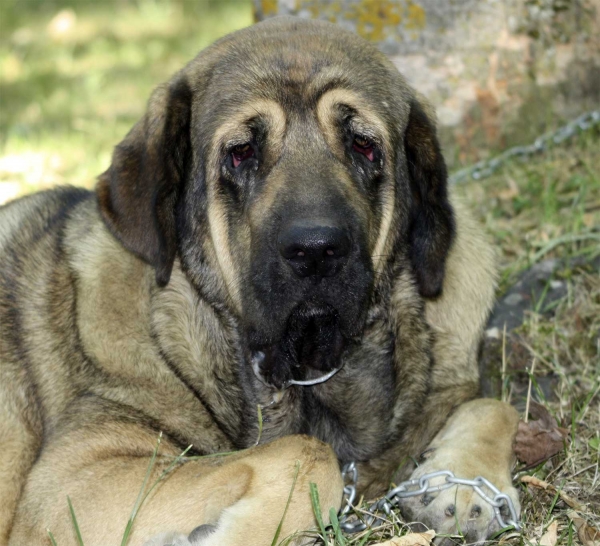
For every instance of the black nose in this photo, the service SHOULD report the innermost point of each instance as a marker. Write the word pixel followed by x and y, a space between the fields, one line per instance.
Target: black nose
pixel 314 248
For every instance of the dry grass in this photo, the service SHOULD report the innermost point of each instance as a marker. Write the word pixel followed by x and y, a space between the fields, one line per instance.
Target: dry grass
pixel 564 336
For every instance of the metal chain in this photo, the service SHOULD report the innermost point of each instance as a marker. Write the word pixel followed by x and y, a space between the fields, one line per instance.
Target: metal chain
pixel 413 488
pixel 487 167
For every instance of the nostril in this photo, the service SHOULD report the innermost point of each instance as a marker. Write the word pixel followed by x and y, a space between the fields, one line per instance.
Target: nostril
pixel 314 248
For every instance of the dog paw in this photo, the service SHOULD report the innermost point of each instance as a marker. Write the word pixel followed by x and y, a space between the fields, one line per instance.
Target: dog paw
pixel 477 441
pixel 458 510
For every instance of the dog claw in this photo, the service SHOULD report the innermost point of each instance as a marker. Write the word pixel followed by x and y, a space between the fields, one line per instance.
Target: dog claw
pixel 200 533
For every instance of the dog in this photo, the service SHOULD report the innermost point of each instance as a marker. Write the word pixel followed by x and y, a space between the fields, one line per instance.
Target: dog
pixel 276 234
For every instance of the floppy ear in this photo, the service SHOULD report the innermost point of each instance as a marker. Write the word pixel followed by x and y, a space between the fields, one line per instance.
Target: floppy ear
pixel 138 193
pixel 431 227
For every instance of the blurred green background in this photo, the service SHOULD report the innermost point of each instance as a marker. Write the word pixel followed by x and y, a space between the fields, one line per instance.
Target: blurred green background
pixel 75 75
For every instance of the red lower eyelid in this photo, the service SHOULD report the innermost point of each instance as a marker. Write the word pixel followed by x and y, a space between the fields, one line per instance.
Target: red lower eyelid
pixel 368 152
pixel 236 159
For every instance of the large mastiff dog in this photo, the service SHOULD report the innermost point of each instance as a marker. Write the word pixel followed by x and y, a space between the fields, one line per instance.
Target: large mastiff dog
pixel 279 215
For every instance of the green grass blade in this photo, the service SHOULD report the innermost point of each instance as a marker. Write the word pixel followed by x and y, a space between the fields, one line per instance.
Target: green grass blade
pixel 336 527
pixel 500 532
pixel 211 455
pixel 75 524
pixel 566 239
pixel 287 505
pixel 138 501
pixel 587 401
pixel 552 505
pixel 364 540
pixel 542 298
pixel 51 536
pixel 166 472
pixel 458 529
pixel 163 475
pixel 316 504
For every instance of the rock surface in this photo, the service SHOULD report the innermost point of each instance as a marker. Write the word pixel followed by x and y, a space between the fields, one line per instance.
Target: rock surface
pixel 499 72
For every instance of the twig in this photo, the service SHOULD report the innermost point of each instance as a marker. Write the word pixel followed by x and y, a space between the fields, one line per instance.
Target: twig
pixel 529 390
pixel 260 423
pixel 504 397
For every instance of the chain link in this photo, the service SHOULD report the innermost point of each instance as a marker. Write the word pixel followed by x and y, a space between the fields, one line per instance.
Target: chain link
pixel 413 488
pixel 487 167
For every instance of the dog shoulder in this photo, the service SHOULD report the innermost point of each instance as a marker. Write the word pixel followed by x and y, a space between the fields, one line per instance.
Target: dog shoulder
pixel 25 220
pixel 459 315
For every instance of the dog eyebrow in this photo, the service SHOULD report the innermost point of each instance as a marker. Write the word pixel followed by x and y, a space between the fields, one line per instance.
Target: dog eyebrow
pixel 237 139
pixel 237 131
pixel 328 79
pixel 358 126
pixel 364 118
pixel 318 89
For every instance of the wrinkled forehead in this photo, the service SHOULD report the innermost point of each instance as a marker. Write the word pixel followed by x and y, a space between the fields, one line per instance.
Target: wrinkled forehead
pixel 298 65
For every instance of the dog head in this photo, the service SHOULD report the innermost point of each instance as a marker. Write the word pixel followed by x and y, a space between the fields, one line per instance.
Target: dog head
pixel 288 167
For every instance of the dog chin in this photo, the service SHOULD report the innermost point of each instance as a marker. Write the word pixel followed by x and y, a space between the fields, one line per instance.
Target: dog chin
pixel 312 344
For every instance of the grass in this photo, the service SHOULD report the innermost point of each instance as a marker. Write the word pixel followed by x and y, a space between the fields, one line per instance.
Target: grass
pixel 549 208
pixel 545 207
pixel 74 77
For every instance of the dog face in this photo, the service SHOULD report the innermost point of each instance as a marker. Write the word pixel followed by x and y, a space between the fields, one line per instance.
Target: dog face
pixel 291 169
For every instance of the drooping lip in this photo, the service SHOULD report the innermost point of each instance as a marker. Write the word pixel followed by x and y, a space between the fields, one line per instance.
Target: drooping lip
pixel 312 343
pixel 302 312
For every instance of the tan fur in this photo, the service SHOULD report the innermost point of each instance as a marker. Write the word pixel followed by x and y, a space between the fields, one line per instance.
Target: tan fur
pixel 230 491
pixel 98 353
pixel 370 124
pixel 218 231
pixel 232 132
pixel 458 317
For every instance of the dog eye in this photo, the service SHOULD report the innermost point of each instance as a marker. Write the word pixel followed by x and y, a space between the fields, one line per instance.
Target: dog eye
pixel 240 153
pixel 364 146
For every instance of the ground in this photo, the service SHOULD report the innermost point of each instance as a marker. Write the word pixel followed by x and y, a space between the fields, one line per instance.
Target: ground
pixel 74 78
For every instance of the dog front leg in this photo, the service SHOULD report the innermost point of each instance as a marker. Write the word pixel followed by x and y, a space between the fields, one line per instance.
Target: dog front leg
pixel 240 498
pixel 476 441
